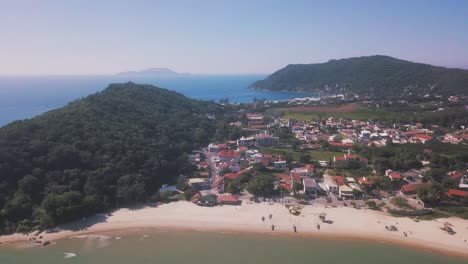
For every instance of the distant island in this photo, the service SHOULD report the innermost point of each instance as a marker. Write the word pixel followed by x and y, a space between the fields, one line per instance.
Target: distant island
pixel 368 76
pixel 152 72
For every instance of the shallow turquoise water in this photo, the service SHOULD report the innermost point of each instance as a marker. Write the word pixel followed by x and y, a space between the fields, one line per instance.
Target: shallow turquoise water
pixel 207 248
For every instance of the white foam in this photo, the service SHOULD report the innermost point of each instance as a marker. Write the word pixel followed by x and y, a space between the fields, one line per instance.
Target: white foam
pixel 69 255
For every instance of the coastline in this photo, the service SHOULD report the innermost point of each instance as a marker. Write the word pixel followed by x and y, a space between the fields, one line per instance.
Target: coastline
pixel 348 224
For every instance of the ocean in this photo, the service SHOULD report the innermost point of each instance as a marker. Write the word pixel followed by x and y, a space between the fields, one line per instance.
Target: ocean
pixel 26 97
pixel 201 247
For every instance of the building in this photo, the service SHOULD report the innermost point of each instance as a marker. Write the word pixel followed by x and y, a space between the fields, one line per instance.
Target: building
pixel 229 199
pixel 200 183
pixel 167 188
pixel 246 142
pixel 310 186
pixel 340 181
pixel 350 180
pixel 329 184
pixel 363 181
pixel 266 140
pixel 395 176
pixel 213 148
pixel 347 159
pixel 412 189
pixel 458 195
pixel 346 191
pixel 423 138
pixel 463 183
pixel 280 164
pixel 227 155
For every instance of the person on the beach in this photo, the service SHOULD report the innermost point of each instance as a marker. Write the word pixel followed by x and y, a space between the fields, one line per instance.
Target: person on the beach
pixel 263 218
pixel 294 228
pixel 270 216
pixel 273 227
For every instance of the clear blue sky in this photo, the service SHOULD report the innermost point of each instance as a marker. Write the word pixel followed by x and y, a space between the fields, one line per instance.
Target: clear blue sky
pixel 223 36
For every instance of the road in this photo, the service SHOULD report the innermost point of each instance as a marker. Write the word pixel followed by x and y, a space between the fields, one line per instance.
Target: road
pixel 214 170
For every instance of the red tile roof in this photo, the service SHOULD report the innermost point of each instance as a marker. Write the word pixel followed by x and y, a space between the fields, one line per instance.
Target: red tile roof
pixel 228 153
pixel 410 133
pixel 457 193
pixel 424 137
pixel 243 149
pixel 395 176
pixel 339 180
pixel 296 177
pixel 222 146
pixel 232 176
pixel 455 174
pixel 285 177
pixel 287 186
pixel 411 188
pixel 364 181
pixel 225 165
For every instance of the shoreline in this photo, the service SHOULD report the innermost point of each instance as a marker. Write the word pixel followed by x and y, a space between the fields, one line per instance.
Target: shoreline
pixel 348 224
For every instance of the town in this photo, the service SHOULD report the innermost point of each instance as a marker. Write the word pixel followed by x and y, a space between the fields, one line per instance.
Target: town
pixel 402 168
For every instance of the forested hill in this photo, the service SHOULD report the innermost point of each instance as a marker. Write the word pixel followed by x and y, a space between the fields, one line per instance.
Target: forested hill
pixel 373 75
pixel 114 147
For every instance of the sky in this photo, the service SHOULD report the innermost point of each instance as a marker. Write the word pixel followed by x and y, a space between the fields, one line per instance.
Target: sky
pixel 223 36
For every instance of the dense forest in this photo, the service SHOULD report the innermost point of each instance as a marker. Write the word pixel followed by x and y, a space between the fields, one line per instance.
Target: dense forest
pixel 372 75
pixel 109 149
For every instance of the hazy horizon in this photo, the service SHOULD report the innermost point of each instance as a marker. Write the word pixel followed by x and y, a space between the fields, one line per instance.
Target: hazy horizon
pixel 211 37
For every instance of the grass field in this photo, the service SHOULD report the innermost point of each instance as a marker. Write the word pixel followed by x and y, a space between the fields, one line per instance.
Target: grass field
pixel 362 114
pixel 349 111
pixel 461 212
pixel 314 154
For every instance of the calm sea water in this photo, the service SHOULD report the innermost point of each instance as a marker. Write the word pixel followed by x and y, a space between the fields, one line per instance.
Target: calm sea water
pixel 25 97
pixel 207 248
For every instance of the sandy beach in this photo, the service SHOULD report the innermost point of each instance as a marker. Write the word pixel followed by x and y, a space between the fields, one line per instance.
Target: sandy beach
pixel 344 223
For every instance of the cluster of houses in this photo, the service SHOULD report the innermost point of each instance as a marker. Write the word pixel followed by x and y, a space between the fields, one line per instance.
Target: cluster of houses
pixel 460 193
pixel 239 155
pixel 368 133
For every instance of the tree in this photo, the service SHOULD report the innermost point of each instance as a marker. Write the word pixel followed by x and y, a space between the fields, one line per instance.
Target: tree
pixel 131 189
pixel 432 195
pixel 305 158
pixel 233 187
pixel 29 185
pixel 288 157
pixel 182 185
pixel 437 174
pixel 297 186
pixel 20 207
pixel 262 185
pixel 224 171
pixel 295 144
pixel 382 182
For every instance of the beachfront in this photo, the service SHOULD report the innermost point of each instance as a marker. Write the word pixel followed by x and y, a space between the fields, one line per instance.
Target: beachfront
pixel 343 223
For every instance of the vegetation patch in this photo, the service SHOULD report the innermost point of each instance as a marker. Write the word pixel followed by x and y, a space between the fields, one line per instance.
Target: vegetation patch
pixel 461 212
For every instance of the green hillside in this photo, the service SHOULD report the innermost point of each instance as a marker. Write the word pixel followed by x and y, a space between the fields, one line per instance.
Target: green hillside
pixel 112 148
pixel 373 75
